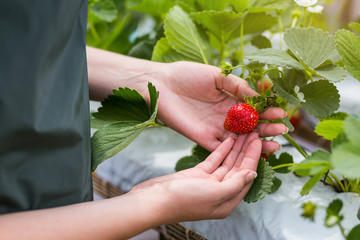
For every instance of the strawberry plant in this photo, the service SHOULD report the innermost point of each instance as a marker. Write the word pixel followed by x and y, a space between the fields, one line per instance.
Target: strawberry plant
pixel 298 71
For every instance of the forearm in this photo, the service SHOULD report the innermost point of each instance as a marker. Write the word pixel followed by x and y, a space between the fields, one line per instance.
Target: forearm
pixel 108 71
pixel 117 218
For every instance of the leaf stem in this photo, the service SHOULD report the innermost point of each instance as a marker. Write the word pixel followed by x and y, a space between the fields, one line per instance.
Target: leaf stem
pixel 341 230
pixel 305 16
pixel 271 69
pixel 337 180
pixel 116 32
pixel 284 165
pixel 295 144
pixel 242 44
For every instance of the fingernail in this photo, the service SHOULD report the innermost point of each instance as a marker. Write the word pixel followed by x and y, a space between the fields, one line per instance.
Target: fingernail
pixel 285 115
pixel 250 176
pixel 280 147
pixel 286 131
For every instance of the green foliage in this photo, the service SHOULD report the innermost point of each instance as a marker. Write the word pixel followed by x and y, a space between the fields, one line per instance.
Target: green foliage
pixel 198 155
pixel 329 129
pixel 333 216
pixel 223 24
pixel 311 46
pixel 354 234
pixel 321 98
pixel 156 8
pixel 348 46
pixel 263 183
pixel 261 42
pixel 284 158
pixel 346 156
pixel 124 115
pixel 183 36
pixel 275 57
pixel 309 210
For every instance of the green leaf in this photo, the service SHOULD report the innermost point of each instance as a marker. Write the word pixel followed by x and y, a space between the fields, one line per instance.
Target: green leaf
pixel 154 96
pixel 322 98
pixel 240 5
pixel 186 162
pixel 346 159
pixel 310 184
pixel 288 124
pixel 105 10
pixel 317 162
pixel 275 57
pixel 164 53
pixel 112 138
pixel 309 210
pixel 348 46
pixel 312 46
pixel 285 86
pixel 266 5
pixel 331 72
pixel 329 129
pixel 284 158
pixel 276 185
pixel 341 138
pixel 258 22
pixel 124 105
pixel 354 234
pixel 261 42
pixel 183 35
pixel 352 129
pixel 332 213
pixel 212 5
pixel 143 49
pixel 200 153
pixel 284 94
pixel 221 23
pixel 262 184
pixel 157 8
pixel 355 26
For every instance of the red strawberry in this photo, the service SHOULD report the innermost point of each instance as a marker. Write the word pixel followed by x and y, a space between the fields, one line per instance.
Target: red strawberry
pixel 241 118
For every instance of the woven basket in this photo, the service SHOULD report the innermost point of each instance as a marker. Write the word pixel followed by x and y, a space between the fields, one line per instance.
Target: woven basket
pixel 168 231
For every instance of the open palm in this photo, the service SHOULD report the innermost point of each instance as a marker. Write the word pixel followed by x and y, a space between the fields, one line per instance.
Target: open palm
pixel 195 98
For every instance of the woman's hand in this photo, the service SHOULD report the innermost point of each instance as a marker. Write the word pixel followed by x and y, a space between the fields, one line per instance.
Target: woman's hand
pixel 212 189
pixel 195 98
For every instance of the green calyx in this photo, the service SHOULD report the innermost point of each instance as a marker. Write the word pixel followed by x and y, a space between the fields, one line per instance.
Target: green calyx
pixel 261 103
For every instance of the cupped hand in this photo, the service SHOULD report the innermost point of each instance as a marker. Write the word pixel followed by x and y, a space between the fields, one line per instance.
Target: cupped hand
pixel 195 98
pixel 210 190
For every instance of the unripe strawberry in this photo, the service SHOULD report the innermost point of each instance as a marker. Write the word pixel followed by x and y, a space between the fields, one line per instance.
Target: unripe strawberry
pixel 241 118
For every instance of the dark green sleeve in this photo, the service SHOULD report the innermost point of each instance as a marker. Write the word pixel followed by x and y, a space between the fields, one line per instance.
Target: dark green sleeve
pixel 44 105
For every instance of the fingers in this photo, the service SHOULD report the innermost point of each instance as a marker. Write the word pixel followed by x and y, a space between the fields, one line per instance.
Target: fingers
pixel 250 155
pixel 270 146
pixel 271 129
pixel 214 160
pixel 234 85
pixel 228 163
pixel 235 189
pixel 273 113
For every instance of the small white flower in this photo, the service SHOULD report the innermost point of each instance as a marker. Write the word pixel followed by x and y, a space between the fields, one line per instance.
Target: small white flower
pixel 306 3
pixel 316 9
pixel 299 94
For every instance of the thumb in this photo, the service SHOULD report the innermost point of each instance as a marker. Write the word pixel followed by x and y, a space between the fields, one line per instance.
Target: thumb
pixel 236 182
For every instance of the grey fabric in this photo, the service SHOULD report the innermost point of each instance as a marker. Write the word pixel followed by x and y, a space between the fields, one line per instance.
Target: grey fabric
pixel 44 107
